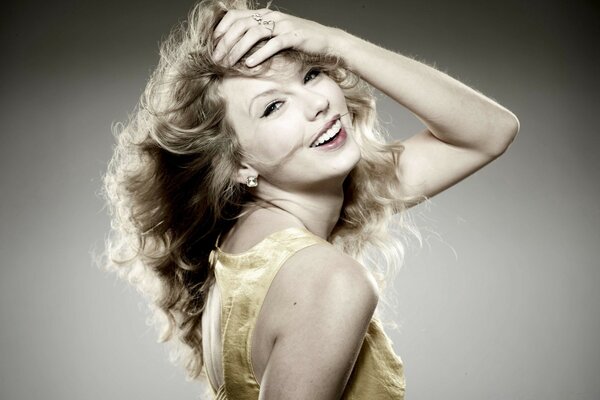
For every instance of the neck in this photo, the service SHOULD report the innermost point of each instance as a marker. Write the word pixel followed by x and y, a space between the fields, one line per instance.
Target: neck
pixel 319 211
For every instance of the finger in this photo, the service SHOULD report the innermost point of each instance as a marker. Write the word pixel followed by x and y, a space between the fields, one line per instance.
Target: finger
pixel 231 16
pixel 230 38
pixel 235 30
pixel 246 42
pixel 273 46
pixel 223 25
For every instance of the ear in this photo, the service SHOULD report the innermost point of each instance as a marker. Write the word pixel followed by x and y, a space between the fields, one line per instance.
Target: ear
pixel 244 171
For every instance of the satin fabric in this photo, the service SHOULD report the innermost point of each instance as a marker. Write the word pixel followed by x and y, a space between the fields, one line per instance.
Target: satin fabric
pixel 244 280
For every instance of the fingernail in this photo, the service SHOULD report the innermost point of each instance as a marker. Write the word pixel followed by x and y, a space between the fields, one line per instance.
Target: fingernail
pixel 250 61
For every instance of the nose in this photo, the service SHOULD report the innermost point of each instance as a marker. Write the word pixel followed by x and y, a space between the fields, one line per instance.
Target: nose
pixel 317 105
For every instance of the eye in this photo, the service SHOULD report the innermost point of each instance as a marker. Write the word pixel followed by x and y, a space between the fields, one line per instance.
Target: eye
pixel 311 74
pixel 274 106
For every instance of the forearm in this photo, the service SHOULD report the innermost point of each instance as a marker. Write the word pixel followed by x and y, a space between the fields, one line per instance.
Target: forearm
pixel 452 111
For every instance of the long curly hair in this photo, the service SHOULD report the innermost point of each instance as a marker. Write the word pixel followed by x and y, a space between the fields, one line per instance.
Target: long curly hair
pixel 170 186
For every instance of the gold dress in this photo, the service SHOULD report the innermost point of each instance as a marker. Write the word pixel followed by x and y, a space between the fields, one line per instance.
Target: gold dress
pixel 243 280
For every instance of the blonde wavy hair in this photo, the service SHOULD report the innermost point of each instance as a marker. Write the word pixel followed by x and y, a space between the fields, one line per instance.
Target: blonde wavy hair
pixel 170 186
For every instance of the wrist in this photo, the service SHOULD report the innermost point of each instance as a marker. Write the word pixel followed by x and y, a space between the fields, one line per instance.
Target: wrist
pixel 341 44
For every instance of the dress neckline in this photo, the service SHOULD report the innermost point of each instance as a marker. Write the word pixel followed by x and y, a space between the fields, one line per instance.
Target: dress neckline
pixel 267 239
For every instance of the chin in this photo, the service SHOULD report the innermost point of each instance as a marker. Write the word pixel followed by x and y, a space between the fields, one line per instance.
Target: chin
pixel 348 167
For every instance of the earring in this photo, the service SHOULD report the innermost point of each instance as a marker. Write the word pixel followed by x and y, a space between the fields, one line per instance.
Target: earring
pixel 251 181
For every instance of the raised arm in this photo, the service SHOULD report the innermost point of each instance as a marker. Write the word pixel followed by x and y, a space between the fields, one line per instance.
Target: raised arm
pixel 465 130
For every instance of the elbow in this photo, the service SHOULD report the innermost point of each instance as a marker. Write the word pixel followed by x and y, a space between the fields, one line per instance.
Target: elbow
pixel 512 130
pixel 506 131
pixel 514 125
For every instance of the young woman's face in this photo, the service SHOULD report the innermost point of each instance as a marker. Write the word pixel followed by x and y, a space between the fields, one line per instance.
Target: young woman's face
pixel 279 119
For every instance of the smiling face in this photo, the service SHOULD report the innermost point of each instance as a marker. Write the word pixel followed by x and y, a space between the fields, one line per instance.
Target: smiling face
pixel 287 124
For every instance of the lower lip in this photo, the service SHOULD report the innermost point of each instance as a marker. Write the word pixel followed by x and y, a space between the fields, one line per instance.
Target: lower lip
pixel 335 143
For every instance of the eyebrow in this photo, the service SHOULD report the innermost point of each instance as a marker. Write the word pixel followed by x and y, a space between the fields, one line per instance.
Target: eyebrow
pixel 265 93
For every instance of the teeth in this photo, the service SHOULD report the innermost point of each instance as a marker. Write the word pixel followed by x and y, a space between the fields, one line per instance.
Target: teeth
pixel 329 133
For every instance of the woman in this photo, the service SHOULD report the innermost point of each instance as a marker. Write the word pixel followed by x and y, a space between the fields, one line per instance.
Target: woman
pixel 252 178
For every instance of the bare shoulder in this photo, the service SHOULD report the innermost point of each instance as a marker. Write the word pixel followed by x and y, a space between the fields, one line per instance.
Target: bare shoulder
pixel 319 305
pixel 320 279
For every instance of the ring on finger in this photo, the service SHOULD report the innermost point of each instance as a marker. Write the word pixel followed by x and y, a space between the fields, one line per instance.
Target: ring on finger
pixel 270 25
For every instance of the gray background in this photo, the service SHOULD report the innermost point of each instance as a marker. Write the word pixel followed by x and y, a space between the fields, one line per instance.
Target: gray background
pixel 500 303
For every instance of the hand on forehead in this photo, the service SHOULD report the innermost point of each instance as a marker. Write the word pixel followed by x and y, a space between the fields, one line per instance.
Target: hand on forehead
pixel 240 30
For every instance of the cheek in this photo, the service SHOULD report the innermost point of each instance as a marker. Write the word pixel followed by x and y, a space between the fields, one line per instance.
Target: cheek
pixel 274 145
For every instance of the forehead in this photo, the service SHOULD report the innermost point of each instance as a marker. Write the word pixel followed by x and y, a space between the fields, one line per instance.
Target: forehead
pixel 244 85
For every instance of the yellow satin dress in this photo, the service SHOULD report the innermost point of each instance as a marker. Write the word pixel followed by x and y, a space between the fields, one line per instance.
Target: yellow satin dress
pixel 244 279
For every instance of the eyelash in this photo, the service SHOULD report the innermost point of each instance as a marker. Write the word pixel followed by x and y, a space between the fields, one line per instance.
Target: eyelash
pixel 317 70
pixel 269 109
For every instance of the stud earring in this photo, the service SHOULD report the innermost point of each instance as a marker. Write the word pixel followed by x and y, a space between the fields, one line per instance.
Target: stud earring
pixel 251 181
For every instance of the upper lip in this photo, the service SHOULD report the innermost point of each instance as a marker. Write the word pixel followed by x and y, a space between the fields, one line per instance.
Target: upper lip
pixel 325 127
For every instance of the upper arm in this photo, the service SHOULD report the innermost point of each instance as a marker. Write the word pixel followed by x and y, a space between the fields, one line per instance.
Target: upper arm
pixel 325 303
pixel 428 165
